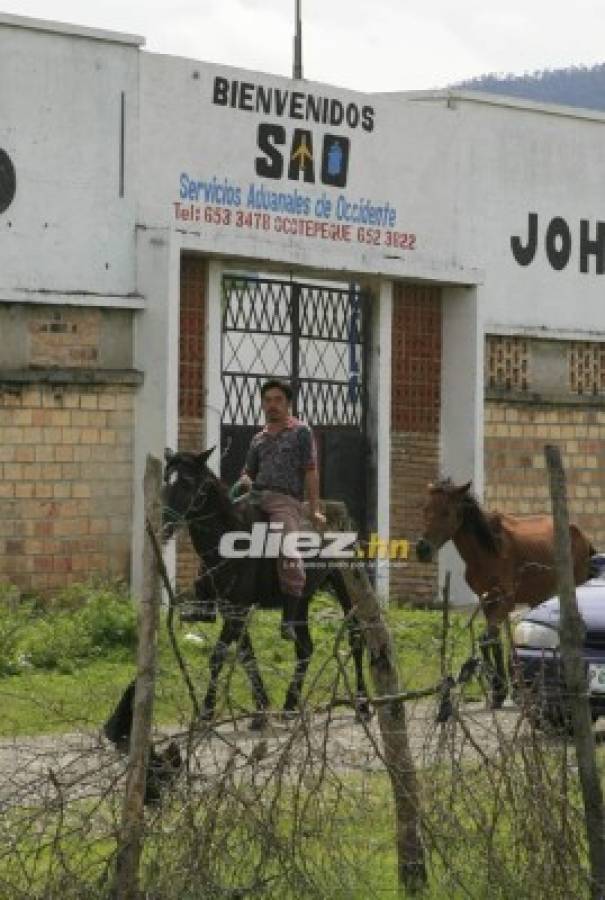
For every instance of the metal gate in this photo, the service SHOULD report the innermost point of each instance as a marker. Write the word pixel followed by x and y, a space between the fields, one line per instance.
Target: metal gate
pixel 315 337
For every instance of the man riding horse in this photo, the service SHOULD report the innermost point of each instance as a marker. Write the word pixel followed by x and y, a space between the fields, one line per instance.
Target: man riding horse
pixel 281 463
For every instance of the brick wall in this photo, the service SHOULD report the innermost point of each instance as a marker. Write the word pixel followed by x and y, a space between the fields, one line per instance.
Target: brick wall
pixel 543 391
pixel 415 410
pixel 64 337
pixel 65 482
pixel 516 480
pixel 191 387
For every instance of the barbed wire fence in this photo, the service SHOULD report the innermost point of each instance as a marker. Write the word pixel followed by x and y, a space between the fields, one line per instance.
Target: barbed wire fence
pixel 304 808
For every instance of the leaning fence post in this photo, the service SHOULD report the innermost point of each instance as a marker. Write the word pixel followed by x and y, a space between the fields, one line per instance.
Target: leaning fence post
pixel 131 833
pixel 411 865
pixel 572 636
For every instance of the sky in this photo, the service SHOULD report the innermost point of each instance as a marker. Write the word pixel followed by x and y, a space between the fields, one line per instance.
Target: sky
pixel 366 45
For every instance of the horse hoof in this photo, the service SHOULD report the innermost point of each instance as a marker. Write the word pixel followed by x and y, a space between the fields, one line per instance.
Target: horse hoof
pixel 110 733
pixel 445 712
pixel 120 741
pixel 287 631
pixel 173 761
pixel 497 702
pixel 206 714
pixel 162 769
pixel 258 722
pixel 363 711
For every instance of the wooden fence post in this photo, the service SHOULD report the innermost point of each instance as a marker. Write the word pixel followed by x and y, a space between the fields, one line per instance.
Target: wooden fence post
pixel 131 834
pixel 411 866
pixel 392 722
pixel 572 638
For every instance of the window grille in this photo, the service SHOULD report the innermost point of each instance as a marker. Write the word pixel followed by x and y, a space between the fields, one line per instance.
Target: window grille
pixel 507 363
pixel 586 367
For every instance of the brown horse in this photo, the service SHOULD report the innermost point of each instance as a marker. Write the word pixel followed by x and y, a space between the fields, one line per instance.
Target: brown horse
pixel 509 559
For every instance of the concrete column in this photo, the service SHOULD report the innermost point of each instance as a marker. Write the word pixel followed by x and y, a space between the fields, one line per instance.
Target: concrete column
pixel 461 411
pixel 156 353
pixel 214 388
pixel 379 424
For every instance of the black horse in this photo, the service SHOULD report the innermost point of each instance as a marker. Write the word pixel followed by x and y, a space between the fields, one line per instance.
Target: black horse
pixel 193 496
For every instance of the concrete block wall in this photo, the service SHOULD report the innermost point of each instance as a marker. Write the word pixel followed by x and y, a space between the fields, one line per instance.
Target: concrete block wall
pixel 415 418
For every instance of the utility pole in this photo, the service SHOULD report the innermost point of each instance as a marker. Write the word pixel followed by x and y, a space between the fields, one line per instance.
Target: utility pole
pixel 297 70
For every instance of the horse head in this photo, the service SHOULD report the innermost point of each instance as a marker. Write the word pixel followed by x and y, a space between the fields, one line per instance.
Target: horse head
pixel 443 514
pixel 186 477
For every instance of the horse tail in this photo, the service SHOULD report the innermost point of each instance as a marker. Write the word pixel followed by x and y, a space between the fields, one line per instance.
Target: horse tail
pixel 118 726
pixel 162 767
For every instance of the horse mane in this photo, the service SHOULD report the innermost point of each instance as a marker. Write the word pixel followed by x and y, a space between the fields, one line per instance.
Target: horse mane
pixel 225 506
pixel 485 527
pixel 215 489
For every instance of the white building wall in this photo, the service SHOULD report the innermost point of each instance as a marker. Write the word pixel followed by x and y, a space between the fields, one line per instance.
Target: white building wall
pixel 193 140
pixel 68 231
pixel 455 179
pixel 462 177
pixel 520 158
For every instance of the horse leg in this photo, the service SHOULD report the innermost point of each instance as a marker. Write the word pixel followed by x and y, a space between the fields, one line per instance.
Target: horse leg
pixel 229 633
pixel 303 647
pixel 493 657
pixel 500 683
pixel 261 699
pixel 362 706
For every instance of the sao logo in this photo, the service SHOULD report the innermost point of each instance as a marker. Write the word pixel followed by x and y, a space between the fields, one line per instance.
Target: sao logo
pixel 289 150
pixel 297 155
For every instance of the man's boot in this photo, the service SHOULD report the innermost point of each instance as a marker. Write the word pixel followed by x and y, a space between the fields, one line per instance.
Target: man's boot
pixel 289 617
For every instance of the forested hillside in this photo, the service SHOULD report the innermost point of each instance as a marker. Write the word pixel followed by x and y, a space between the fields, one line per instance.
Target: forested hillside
pixel 574 86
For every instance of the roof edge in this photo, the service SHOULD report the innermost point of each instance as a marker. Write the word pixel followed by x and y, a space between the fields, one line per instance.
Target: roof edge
pixel 452 95
pixel 65 28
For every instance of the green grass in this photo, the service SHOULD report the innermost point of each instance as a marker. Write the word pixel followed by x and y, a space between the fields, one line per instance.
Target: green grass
pixel 494 831
pixel 211 845
pixel 48 854
pixel 315 839
pixel 62 667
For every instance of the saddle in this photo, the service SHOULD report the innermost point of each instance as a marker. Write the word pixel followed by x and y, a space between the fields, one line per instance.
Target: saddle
pixel 263 573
